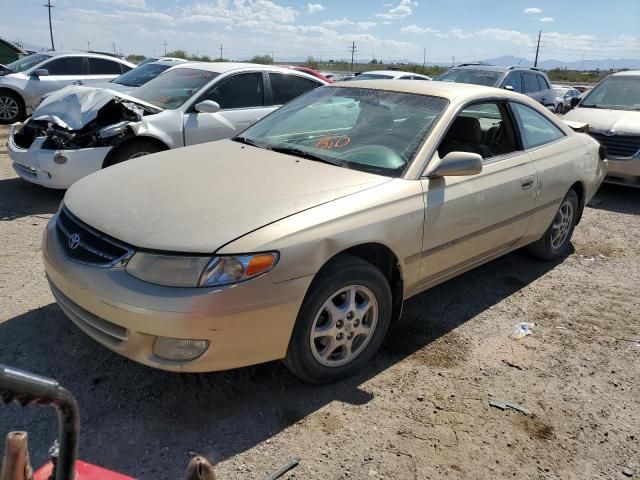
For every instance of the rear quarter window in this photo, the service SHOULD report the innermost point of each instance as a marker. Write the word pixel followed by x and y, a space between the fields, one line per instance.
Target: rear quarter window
pixel 536 130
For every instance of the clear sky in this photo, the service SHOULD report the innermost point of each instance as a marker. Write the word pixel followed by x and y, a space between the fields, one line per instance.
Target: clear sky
pixel 384 29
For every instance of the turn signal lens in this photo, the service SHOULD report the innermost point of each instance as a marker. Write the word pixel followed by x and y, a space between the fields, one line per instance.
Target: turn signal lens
pixel 179 349
pixel 227 270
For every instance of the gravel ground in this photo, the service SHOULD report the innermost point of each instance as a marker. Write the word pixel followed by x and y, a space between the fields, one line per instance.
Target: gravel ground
pixel 420 411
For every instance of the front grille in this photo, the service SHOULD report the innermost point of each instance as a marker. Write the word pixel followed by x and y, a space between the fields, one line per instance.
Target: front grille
pixel 85 245
pixel 25 171
pixel 621 146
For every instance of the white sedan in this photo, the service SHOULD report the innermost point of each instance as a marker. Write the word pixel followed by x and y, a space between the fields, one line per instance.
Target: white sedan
pixel 390 75
pixel 81 130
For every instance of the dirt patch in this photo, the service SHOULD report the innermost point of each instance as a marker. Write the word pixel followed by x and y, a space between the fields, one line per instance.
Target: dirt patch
pixel 445 352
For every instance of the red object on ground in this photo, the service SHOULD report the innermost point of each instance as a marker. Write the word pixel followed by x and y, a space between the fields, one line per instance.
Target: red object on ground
pixel 310 71
pixel 84 470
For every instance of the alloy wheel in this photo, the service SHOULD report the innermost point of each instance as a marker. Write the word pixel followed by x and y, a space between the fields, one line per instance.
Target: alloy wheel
pixel 344 325
pixel 8 108
pixel 562 224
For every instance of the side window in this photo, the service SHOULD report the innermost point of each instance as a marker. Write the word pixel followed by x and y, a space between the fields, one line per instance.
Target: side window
pixel 406 77
pixel 101 66
pixel 244 90
pixel 542 83
pixel 515 81
pixel 65 66
pixel 530 83
pixel 286 87
pixel 483 128
pixel 535 128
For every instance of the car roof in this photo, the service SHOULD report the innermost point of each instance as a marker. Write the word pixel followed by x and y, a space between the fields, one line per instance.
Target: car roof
pixel 449 90
pixel 60 53
pixel 171 63
pixel 223 67
pixel 627 73
pixel 390 72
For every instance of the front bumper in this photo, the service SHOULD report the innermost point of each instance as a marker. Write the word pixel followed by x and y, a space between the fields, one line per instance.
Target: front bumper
pixel 37 165
pixel 624 172
pixel 246 324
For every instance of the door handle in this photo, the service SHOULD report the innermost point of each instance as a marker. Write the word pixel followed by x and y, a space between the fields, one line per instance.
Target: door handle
pixel 527 183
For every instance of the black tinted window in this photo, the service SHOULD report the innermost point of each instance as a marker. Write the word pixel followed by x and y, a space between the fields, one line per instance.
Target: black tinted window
pixel 542 83
pixel 530 83
pixel 240 91
pixel 101 66
pixel 515 81
pixel 287 87
pixel 65 66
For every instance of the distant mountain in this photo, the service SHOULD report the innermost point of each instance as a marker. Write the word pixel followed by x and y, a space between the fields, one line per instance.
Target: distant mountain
pixel 602 64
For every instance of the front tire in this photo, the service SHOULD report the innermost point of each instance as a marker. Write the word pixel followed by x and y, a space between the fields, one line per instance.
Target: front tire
pixel 342 322
pixel 132 149
pixel 555 242
pixel 11 107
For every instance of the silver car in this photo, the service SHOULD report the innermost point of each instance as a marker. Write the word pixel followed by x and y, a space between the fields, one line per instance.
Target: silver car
pixel 129 81
pixel 28 79
pixel 80 130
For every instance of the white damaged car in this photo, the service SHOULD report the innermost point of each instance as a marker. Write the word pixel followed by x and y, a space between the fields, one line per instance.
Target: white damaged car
pixel 81 130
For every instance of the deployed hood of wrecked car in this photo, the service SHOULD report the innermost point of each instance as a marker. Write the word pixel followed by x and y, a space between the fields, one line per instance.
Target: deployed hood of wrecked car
pixel 74 107
pixel 197 199
pixel 615 122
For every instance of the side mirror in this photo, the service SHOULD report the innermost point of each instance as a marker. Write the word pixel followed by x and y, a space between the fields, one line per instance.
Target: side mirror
pixel 508 87
pixel 458 164
pixel 41 72
pixel 207 106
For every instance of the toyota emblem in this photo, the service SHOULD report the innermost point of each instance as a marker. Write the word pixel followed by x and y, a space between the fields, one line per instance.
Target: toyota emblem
pixel 74 241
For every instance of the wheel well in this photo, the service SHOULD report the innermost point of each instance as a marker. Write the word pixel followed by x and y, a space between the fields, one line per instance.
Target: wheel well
pixel 386 261
pixel 108 159
pixel 16 93
pixel 579 189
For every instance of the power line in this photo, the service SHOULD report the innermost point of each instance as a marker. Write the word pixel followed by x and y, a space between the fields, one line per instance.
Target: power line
pixel 49 7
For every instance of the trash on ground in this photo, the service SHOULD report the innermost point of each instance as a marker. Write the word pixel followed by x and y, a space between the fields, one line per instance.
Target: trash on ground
pixel 522 330
pixel 511 364
pixel 627 472
pixel 503 405
pixel 282 470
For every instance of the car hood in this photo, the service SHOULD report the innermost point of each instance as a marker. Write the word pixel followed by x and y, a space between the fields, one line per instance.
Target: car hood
pixel 618 122
pixel 197 199
pixel 73 107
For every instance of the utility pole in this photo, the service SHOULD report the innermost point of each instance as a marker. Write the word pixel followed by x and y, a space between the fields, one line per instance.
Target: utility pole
pixel 113 45
pixel 353 52
pixel 88 45
pixel 49 6
pixel 272 57
pixel 165 47
pixel 424 58
pixel 535 64
pixel 220 52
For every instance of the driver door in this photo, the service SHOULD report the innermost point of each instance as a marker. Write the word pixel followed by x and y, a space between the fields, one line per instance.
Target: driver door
pixel 242 102
pixel 471 218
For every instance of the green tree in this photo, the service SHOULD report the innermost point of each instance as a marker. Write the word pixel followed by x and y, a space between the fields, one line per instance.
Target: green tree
pixel 262 59
pixel 311 63
pixel 179 54
pixel 135 58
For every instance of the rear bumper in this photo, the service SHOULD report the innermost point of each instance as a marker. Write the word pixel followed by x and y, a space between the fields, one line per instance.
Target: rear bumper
pixel 624 172
pixel 36 164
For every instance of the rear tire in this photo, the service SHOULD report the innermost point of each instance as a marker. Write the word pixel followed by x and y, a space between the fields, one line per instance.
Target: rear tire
pixel 555 242
pixel 560 108
pixel 130 150
pixel 342 322
pixel 11 107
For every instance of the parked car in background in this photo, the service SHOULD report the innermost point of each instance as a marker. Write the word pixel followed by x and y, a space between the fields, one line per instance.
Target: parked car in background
pixel 390 75
pixel 301 238
pixel 310 71
pixel 33 76
pixel 80 130
pixel 612 110
pixel 530 81
pixel 566 98
pixel 160 59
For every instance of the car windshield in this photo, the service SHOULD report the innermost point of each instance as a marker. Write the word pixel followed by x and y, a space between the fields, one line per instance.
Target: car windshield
pixel 617 93
pixel 373 76
pixel 141 74
pixel 376 131
pixel 25 63
pixel 175 87
pixel 488 78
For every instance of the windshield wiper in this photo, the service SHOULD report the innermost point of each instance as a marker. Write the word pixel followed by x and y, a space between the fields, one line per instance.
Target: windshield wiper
pixel 247 141
pixel 304 154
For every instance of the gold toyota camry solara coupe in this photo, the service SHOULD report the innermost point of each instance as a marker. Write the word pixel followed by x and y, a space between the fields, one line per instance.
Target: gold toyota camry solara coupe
pixel 300 238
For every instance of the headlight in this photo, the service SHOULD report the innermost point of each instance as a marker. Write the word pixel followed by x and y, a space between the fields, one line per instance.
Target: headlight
pixel 187 271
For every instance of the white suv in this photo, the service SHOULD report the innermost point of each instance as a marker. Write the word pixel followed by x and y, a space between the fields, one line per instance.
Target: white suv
pixel 26 80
